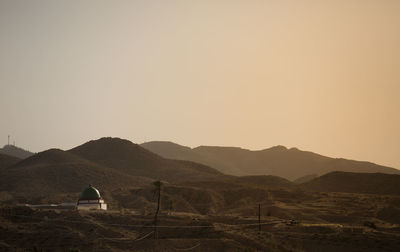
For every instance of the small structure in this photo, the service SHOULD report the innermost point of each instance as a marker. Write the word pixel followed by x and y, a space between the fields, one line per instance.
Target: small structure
pixel 91 200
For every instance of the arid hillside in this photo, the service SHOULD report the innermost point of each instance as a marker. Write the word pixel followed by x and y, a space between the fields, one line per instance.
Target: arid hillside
pixel 376 183
pixel 314 222
pixel 7 161
pixel 56 172
pixel 130 158
pixel 108 163
pixel 278 161
pixel 15 151
pixel 201 209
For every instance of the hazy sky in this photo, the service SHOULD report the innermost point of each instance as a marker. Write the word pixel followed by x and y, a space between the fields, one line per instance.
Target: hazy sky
pixel 319 75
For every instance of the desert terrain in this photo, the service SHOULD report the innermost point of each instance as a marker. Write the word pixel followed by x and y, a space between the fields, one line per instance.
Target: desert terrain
pixel 201 208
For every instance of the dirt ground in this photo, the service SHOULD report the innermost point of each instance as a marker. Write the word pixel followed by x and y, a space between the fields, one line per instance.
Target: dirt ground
pixel 325 222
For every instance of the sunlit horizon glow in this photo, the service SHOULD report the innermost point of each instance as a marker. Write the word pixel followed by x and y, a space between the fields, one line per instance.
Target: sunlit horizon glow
pixel 322 76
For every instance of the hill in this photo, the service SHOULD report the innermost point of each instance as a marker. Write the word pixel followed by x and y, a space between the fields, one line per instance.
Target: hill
pixel 15 151
pixel 55 172
pixel 278 161
pixel 132 159
pixel 111 164
pixel 375 183
pixel 265 180
pixel 7 161
pixel 217 208
pixel 305 179
pixel 124 172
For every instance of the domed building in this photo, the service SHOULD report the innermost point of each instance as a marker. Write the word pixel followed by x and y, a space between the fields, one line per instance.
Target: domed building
pixel 91 200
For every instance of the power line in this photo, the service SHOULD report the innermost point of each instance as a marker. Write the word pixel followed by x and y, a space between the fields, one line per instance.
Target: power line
pixel 226 227
pixel 152 226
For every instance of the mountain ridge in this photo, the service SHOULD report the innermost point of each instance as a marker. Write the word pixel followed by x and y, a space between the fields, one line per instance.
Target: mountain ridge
pixel 278 160
pixel 108 163
pixel 135 160
pixel 351 182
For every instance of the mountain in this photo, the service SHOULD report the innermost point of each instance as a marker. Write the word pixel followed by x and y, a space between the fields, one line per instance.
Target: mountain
pixel 132 159
pixel 278 161
pixel 15 151
pixel 56 172
pixel 349 182
pixel 7 161
pixel 172 150
pixel 108 163
pixel 305 179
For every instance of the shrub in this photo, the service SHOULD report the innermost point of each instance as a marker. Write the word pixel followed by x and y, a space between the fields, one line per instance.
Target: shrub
pixel 370 224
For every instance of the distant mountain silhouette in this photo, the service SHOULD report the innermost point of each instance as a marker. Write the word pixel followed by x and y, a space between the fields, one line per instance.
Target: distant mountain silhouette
pixel 132 159
pixel 15 151
pixel 7 161
pixel 349 182
pixel 278 161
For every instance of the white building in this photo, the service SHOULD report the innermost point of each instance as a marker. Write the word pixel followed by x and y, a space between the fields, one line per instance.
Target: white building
pixel 91 200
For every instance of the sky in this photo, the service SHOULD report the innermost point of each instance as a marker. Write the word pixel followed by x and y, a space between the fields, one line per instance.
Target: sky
pixel 319 75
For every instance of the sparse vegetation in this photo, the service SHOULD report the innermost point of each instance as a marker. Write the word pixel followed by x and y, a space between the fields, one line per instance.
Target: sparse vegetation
pixel 369 224
pixel 218 214
pixel 36 249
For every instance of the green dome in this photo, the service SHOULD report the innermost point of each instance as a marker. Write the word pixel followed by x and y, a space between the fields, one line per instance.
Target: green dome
pixel 90 193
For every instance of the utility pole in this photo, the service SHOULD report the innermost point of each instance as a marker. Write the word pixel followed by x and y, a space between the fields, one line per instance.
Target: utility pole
pixel 158 185
pixel 259 217
pixel 158 191
pixel 8 140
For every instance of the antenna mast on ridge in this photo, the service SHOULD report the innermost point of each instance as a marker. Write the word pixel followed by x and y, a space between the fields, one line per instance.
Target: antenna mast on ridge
pixel 8 139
